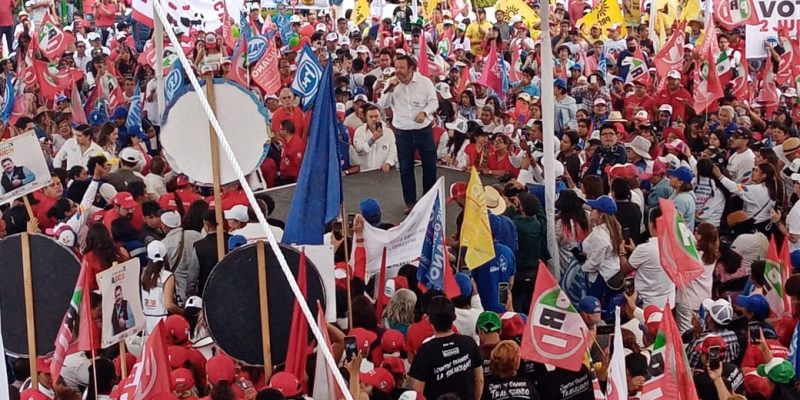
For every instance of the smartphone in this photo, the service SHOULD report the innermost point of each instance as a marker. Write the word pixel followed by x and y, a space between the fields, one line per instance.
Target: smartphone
pixel 502 292
pixel 337 229
pixel 350 219
pixel 605 329
pixel 754 329
pixel 350 347
pixel 629 287
pixel 626 234
pixel 713 357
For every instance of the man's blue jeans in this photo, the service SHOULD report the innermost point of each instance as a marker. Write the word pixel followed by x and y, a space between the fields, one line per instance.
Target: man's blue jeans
pixel 407 142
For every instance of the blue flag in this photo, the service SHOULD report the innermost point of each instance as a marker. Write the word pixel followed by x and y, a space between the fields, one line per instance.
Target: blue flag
pixel 432 262
pixel 602 65
pixel 318 194
pixel 244 26
pixel 173 82
pixel 133 124
pixel 308 77
pixel 8 101
pixel 503 73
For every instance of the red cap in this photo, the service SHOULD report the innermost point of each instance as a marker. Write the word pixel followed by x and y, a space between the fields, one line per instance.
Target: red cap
pixel 513 326
pixel 379 378
pixel 711 341
pixel 624 171
pixel 130 359
pixel 286 383
pixel 182 379
pixel 177 329
pixel 177 356
pixel 457 189
pixel 364 339
pixel 652 318
pixel 392 341
pixel 124 199
pixel 181 181
pixel 220 368
pixel 395 365
pixel 32 394
pixel 97 217
pixel 43 364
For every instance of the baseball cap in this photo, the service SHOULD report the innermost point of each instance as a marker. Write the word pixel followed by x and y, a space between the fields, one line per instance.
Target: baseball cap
pixel 362 49
pixel 286 383
pixel 625 171
pixel 711 341
pixel 93 36
pixel 177 329
pixel 392 341
pixel 124 200
pixel 444 90
pixel 171 219
pixel 742 133
pixel 177 355
pixel 603 204
pixel 332 37
pixel 395 365
pixel 194 302
pixel 489 321
pixel 457 189
pixel 182 379
pixel 156 251
pixel 220 368
pixel 589 305
pixel 63 233
pixel 684 174
pixel 599 101
pixel 130 155
pixel 379 378
pixel 364 338
pixel 777 370
pixel 43 363
pixel 755 303
pixel 459 125
pixel 321 27
pixel 665 108
pixel 411 395
pixel 652 318
pixel 370 209
pixel 674 74
pixel 32 394
pixel 720 310
pixel 513 325
pixel 237 213
pixel 560 83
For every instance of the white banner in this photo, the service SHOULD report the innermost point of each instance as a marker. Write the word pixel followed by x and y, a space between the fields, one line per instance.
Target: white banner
pixel 404 241
pixel 322 257
pixel 205 15
pixel 122 305
pixel 773 15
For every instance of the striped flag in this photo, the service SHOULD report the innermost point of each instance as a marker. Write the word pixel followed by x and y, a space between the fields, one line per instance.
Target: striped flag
pixel 75 332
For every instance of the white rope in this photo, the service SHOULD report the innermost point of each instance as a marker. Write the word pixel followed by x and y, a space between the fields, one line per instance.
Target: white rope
pixel 262 219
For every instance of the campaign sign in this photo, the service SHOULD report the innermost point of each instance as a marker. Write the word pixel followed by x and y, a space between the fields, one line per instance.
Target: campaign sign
pixel 24 167
pixel 773 17
pixel 122 305
pixel 552 312
pixel 256 48
pixel 309 73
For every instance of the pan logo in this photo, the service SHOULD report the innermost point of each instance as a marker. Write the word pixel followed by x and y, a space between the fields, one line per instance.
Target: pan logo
pixel 308 75
pixel 256 48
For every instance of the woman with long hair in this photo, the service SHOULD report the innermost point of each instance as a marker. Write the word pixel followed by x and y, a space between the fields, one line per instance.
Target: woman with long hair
pixel 100 251
pixel 680 179
pixel 399 313
pixel 569 154
pixel 107 139
pixel 158 287
pixel 466 107
pixel 760 197
pixel 193 220
pixel 689 298
pixel 602 248
pixel 452 145
pixel 572 225
pixel 504 363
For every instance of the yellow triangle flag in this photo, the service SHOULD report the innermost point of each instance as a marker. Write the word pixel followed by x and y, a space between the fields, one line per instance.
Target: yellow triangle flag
pixel 361 11
pixel 476 233
pixel 605 13
pixel 519 7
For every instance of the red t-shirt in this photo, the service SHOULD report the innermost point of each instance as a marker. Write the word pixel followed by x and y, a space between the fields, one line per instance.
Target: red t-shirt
pixel 40 209
pixel 473 155
pixel 675 100
pixel 6 19
pixel 167 200
pixel 295 115
pixel 496 162
pixel 292 157
pixel 632 103
pixel 105 20
pixel 137 220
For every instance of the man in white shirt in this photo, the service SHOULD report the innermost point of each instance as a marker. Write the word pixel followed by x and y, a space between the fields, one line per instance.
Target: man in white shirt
pixel 81 56
pixel 741 163
pixel 413 101
pixel 78 149
pixel 651 282
pixel 238 218
pixel 38 8
pixel 375 142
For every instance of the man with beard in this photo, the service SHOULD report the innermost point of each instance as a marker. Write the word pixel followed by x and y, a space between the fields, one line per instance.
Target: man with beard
pixel 122 315
pixel 124 206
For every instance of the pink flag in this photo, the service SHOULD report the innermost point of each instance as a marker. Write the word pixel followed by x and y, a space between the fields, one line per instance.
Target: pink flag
pixel 150 376
pixel 297 351
pixel 670 57
pixel 671 378
pixel 422 58
pixel 238 72
pixel 677 251
pixel 77 108
pixel 265 72
pixel 491 75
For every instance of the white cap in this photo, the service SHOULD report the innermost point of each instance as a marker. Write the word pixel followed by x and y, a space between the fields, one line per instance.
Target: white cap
pixel 599 100
pixel 156 251
pixel 514 19
pixel 448 21
pixel 194 302
pixel 253 6
pixel 796 177
pixel 388 71
pixel 641 114
pixel 665 107
pixel 130 155
pixel 344 41
pixel 120 35
pixel 459 125
pixel 462 26
pixel 237 213
pixel 361 97
pixel 458 46
pixel 400 52
pixel 332 37
pixel 674 74
pixel 340 108
pixel 689 46
pixel 171 219
pixel 362 49
pixel 790 92
pixel 295 18
pixel 670 161
pixel 613 27
pixel 444 90
pixel 93 36
pixel 321 27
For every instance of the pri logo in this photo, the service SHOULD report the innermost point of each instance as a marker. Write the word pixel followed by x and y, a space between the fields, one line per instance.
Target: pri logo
pixel 308 76
pixel 552 325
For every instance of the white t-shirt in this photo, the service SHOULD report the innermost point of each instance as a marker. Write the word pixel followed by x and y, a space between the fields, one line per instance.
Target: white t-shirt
pixel 710 201
pixel 793 225
pixel 652 283
pixel 699 289
pixel 153 304
pixel 152 106
pixel 252 232
pixel 752 247
pixel 740 165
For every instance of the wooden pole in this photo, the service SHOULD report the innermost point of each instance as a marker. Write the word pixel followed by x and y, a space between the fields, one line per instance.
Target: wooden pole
pixel 347 262
pixel 28 207
pixel 27 281
pixel 215 171
pixel 123 362
pixel 266 346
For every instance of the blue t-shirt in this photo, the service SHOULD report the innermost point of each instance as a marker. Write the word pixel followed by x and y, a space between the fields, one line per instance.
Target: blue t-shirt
pixel 488 276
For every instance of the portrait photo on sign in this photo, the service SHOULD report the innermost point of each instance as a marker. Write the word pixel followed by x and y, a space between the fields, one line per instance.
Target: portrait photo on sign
pixel 122 306
pixel 24 167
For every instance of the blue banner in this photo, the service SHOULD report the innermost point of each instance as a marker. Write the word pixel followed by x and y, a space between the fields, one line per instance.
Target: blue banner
pixel 307 79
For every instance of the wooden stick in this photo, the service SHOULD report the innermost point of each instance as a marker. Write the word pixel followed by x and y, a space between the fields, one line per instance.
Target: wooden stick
pixel 458 256
pixel 263 301
pixel 123 362
pixel 215 171
pixel 347 262
pixel 27 280
pixel 28 207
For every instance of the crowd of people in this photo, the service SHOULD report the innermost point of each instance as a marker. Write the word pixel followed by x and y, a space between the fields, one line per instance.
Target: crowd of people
pixel 625 140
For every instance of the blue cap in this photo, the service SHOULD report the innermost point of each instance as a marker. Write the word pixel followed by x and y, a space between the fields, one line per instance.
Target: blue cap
pixel 464 284
pixel 589 305
pixel 370 210
pixel 120 112
pixel 576 66
pixel 359 90
pixel 684 174
pixel 603 204
pixel 755 303
pixel 560 83
pixel 236 241
pixel 97 117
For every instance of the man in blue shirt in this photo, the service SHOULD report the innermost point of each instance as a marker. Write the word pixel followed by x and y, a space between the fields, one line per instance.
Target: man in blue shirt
pixel 489 276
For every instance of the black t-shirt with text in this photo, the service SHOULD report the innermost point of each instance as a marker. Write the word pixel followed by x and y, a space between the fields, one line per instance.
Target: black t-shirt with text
pixel 516 388
pixel 446 365
pixel 560 384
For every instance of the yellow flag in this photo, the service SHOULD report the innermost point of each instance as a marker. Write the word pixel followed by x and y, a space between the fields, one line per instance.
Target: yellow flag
pixel 476 234
pixel 519 7
pixel 605 13
pixel 429 7
pixel 361 11
pixel 689 10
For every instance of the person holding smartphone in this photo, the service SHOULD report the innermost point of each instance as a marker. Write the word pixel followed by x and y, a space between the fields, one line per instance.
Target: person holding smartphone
pixel 374 142
pixel 713 350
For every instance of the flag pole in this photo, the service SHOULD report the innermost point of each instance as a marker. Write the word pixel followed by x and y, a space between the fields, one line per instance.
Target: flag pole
pixel 347 262
pixel 28 288
pixel 215 170
pixel 263 301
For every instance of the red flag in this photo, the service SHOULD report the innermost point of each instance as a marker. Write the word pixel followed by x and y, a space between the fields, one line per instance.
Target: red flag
pixel 670 57
pixel 77 107
pixel 51 38
pixel 707 85
pixel 740 84
pixel 556 333
pixel 672 380
pixel 422 57
pixel 380 296
pixel 76 332
pixel 297 352
pixel 49 85
pixel 787 64
pixel 732 14
pixel 148 54
pixel 514 74
pixel 265 72
pixel 491 75
pixel 111 90
pixel 769 91
pixel 227 32
pixel 150 376
pixel 238 72
pixel 463 80
pixel 676 247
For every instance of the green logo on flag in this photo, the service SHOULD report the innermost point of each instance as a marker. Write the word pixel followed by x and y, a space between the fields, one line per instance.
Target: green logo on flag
pixel 685 238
